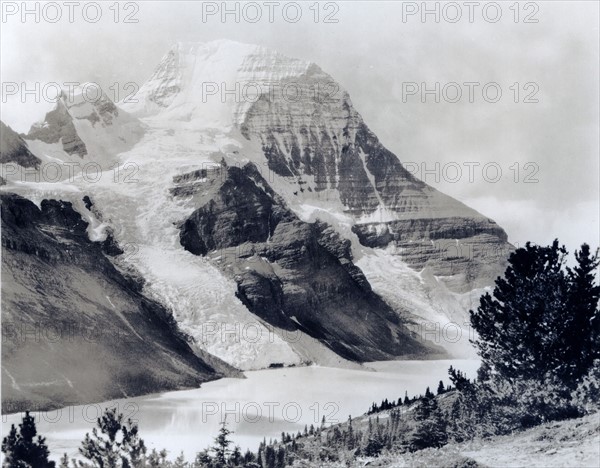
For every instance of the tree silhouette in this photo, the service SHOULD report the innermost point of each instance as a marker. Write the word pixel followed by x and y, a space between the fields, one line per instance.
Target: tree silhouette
pixel 431 426
pixel 580 334
pixel 516 324
pixel 116 445
pixel 21 448
pixel 221 445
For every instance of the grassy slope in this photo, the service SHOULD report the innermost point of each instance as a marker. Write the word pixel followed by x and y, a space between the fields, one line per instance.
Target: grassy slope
pixel 574 443
pixel 570 443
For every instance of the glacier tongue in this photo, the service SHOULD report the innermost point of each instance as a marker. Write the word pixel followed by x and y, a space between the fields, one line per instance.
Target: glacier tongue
pixel 144 216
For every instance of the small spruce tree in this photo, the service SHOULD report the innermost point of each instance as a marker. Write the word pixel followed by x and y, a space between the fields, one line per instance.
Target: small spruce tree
pixel 22 449
pixel 221 445
pixel 116 443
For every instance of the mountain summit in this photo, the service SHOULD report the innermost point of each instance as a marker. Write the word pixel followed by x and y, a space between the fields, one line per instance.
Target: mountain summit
pixel 212 83
pixel 85 125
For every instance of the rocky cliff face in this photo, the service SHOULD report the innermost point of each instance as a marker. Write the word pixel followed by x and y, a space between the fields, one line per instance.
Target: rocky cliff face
pixel 13 148
pixel 319 140
pixel 75 329
pixel 243 206
pixel 466 252
pixel 292 274
pixel 58 127
pixel 87 126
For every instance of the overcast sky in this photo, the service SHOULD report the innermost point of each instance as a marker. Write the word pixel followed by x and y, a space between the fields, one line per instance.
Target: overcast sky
pixel 373 53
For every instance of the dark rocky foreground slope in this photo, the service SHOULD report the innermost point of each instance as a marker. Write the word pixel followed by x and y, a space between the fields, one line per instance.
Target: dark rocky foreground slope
pixel 74 328
pixel 293 274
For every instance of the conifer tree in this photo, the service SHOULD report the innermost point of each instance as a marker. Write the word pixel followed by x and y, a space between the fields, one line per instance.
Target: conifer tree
pixel 22 449
pixel 116 443
pixel 516 324
pixel 248 457
pixel 580 335
pixel 159 459
pixel 64 461
pixel 203 459
pixel 236 456
pixel 180 461
pixel 431 430
pixel 540 320
pixel 221 445
pixel 350 436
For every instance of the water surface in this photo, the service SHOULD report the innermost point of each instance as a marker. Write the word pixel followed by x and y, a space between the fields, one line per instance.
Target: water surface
pixel 264 404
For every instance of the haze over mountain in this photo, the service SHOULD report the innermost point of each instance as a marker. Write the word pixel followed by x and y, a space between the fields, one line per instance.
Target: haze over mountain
pixel 248 196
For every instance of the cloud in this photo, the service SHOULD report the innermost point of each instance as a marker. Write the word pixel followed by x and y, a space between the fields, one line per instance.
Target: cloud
pixel 527 220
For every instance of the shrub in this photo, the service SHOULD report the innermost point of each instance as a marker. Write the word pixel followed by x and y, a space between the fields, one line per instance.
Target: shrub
pixel 586 397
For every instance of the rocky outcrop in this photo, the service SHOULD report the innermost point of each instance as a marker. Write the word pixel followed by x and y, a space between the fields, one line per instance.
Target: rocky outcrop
pixel 13 148
pixel 167 76
pixel 58 127
pixel 292 274
pixel 75 329
pixel 87 124
pixel 468 252
pixel 318 141
pixel 257 213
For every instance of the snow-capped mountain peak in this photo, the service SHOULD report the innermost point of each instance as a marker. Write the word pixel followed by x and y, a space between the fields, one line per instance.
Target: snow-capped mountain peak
pixel 89 101
pixel 214 83
pixel 85 123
